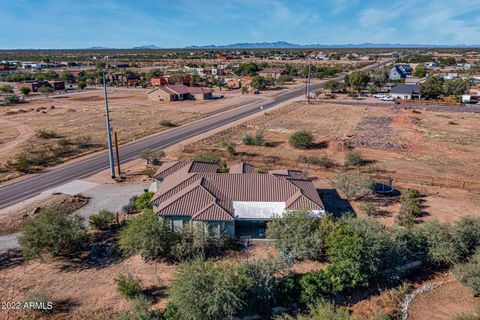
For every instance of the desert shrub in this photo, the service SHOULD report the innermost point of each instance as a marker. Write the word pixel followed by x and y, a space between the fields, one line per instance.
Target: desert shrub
pixel 224 289
pixel 192 242
pixel 320 311
pixel 323 161
pixel 229 146
pixel 46 134
pixel 254 140
pixel 300 234
pixel 9 100
pixel 152 156
pixel 354 159
pixel 466 233
pixel 369 208
pixel 261 170
pixel 210 157
pixel 353 184
pixel 83 142
pixel 139 310
pixel 167 123
pixel 301 139
pixel 469 273
pixel 442 249
pixel 149 171
pixel 39 301
pixel 128 286
pixel 410 207
pixel 53 232
pixel 143 201
pixel 148 235
pixel 473 316
pixel 103 220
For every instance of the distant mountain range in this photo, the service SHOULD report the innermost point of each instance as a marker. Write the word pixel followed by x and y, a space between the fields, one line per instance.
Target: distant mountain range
pixel 288 45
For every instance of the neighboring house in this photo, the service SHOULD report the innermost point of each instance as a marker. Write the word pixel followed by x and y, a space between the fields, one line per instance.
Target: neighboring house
pixel 239 203
pixel 400 71
pixel 451 76
pixel 433 64
pixel 35 85
pixel 161 81
pixel 405 91
pixel 179 92
pixel 271 72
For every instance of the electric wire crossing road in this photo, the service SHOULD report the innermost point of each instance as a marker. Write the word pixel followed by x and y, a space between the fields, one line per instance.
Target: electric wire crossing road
pixel 30 186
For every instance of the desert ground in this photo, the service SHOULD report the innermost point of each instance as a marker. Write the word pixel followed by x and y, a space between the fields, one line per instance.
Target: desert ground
pixel 435 152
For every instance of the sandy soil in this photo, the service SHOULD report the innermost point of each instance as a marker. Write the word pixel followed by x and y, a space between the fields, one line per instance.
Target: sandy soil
pixel 132 115
pixel 11 221
pixel 444 303
pixel 82 292
pixel 433 151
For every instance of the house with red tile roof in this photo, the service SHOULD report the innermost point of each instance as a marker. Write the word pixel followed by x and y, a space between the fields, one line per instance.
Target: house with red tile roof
pixel 178 92
pixel 238 203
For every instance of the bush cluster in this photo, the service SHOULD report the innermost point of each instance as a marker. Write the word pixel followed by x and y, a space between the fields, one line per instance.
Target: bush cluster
pixel 354 159
pixel 254 140
pixel 301 139
pixel 323 161
pixel 410 207
pixel 153 238
pixel 210 157
pixel 103 220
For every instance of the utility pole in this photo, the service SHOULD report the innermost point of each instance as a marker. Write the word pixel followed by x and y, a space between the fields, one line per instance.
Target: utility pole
pixel 308 81
pixel 109 130
pixel 118 155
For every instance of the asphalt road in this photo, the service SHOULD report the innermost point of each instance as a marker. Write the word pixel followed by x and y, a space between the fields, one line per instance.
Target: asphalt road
pixel 28 187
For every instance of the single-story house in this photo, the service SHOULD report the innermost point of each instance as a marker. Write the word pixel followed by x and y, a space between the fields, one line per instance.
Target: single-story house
pixel 271 72
pixel 238 203
pixel 405 91
pixel 179 92
pixel 35 85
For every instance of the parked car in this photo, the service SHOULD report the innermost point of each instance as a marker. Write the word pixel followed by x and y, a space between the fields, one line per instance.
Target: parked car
pixel 387 98
pixel 379 95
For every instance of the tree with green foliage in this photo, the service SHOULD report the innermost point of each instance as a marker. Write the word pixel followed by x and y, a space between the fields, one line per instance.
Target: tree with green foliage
pixel 302 139
pixel 332 85
pixel 82 85
pixel 283 79
pixel 456 87
pixel 9 100
pixel 420 72
pixel 468 273
pixel 152 156
pixel 247 69
pixel 53 232
pixel 149 235
pixel 353 184
pixel 432 88
pixel 46 91
pixel 358 80
pixel 262 83
pixel 300 234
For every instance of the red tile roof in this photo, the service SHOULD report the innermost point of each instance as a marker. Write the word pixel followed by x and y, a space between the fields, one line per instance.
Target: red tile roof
pixel 194 189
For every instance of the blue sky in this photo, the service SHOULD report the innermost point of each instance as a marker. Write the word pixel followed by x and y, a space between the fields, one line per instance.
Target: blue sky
pixel 179 23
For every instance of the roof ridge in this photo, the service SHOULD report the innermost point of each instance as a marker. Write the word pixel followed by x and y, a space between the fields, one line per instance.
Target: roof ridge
pixel 180 194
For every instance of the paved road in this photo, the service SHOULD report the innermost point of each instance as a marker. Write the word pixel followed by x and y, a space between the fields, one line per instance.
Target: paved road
pixel 25 188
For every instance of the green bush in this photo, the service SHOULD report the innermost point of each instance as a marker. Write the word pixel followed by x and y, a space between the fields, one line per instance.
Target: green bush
pixel 148 235
pixel 469 273
pixel 167 123
pixel 128 286
pixel 257 140
pixel 53 232
pixel 353 184
pixel 149 171
pixel 210 157
pixel 225 289
pixel 442 249
pixel 354 159
pixel 323 161
pixel 410 208
pixel 301 139
pixel 229 146
pixel 46 134
pixel 143 201
pixel 103 220
pixel 9 100
pixel 300 234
